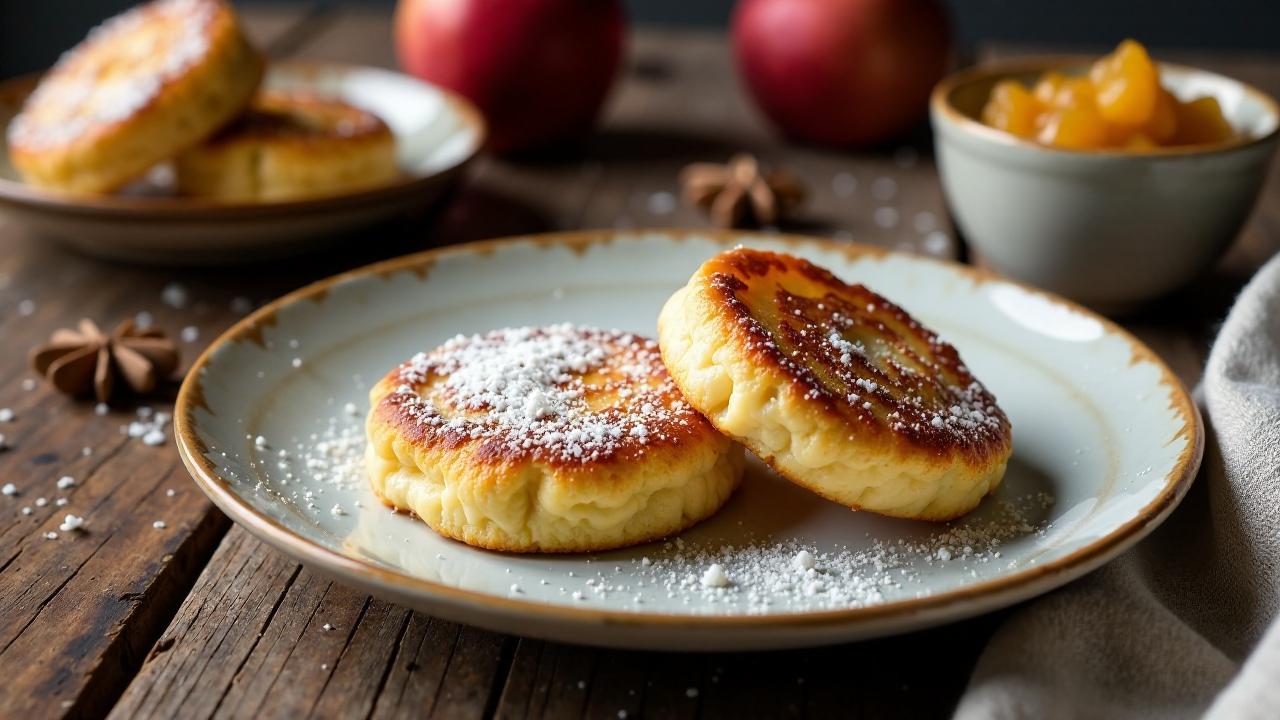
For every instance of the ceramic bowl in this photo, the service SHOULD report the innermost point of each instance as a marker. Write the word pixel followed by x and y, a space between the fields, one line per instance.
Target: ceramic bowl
pixel 437 134
pixel 1109 228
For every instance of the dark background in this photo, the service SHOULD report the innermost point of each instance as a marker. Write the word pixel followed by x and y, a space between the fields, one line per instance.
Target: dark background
pixel 33 32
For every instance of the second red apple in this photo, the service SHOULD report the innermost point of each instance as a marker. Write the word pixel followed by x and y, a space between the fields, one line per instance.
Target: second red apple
pixel 841 72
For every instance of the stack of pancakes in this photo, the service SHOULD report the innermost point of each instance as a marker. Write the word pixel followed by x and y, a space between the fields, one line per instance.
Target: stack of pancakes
pixel 570 439
pixel 177 80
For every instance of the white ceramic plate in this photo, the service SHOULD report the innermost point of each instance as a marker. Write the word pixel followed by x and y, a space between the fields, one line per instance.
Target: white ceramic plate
pixel 1106 442
pixel 437 133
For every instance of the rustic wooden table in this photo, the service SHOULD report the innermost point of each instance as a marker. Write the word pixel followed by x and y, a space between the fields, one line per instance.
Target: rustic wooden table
pixel 199 619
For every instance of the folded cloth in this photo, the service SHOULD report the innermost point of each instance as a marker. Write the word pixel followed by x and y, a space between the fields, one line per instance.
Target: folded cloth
pixel 1178 626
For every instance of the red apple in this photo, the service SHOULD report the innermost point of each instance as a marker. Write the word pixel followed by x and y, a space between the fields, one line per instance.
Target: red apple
pixel 539 70
pixel 841 72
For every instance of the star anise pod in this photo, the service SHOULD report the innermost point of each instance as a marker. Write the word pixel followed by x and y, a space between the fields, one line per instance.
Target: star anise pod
pixel 741 193
pixel 75 361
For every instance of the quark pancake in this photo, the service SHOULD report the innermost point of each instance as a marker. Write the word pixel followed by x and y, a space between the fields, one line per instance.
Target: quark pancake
pixel 556 439
pixel 288 147
pixel 140 88
pixel 838 389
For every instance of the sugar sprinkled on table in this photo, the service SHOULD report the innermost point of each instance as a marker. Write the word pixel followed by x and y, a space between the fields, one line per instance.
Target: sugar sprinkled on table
pixel 175 295
pixel 71 523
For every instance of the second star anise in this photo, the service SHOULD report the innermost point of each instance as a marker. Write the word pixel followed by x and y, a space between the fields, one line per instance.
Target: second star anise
pixel 741 193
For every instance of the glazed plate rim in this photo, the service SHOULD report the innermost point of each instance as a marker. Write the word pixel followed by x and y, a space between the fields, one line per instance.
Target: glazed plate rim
pixel 889 617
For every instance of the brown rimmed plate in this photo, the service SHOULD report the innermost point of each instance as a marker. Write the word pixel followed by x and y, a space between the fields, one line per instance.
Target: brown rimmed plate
pixel 437 134
pixel 1106 442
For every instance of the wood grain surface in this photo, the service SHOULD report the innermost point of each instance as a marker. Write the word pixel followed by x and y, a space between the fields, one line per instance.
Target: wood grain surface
pixel 198 619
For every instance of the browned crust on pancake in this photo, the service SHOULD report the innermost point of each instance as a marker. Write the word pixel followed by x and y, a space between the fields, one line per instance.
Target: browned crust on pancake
pixel 302 118
pixel 730 277
pixel 667 436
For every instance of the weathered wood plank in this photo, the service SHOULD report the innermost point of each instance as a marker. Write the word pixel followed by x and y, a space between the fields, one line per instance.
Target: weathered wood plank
pixel 261 637
pixel 78 612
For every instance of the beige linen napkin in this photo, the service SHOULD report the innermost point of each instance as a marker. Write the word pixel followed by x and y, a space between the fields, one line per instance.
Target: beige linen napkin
pixel 1178 626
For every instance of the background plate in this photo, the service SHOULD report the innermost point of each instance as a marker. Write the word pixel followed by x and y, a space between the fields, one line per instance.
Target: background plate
pixel 1106 442
pixel 437 134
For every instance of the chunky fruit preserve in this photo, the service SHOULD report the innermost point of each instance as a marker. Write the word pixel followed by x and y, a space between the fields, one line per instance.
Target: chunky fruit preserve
pixel 1119 104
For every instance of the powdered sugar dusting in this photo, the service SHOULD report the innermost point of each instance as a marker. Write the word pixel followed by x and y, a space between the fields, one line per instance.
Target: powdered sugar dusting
pixel 88 88
pixel 562 393
pixel 792 574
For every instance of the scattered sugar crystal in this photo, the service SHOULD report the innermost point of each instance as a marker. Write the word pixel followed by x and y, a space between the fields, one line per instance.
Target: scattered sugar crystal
pixel 326 627
pixel 6 415
pixel 101 409
pixel 936 242
pixel 884 188
pixel 661 203
pixel 886 217
pixel 714 577
pixel 159 524
pixel 51 535
pixel 944 554
pixel 351 409
pixel 175 295
pixel 803 560
pixel 65 482
pixel 41 502
pixel 144 319
pixel 9 489
pixel 169 493
pixel 260 441
pixel 296 362
pixel 154 437
pixel 26 510
pixel 71 522
pixel 515 589
pixel 28 384
pixel 190 334
pixel 337 511
pixel 61 502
